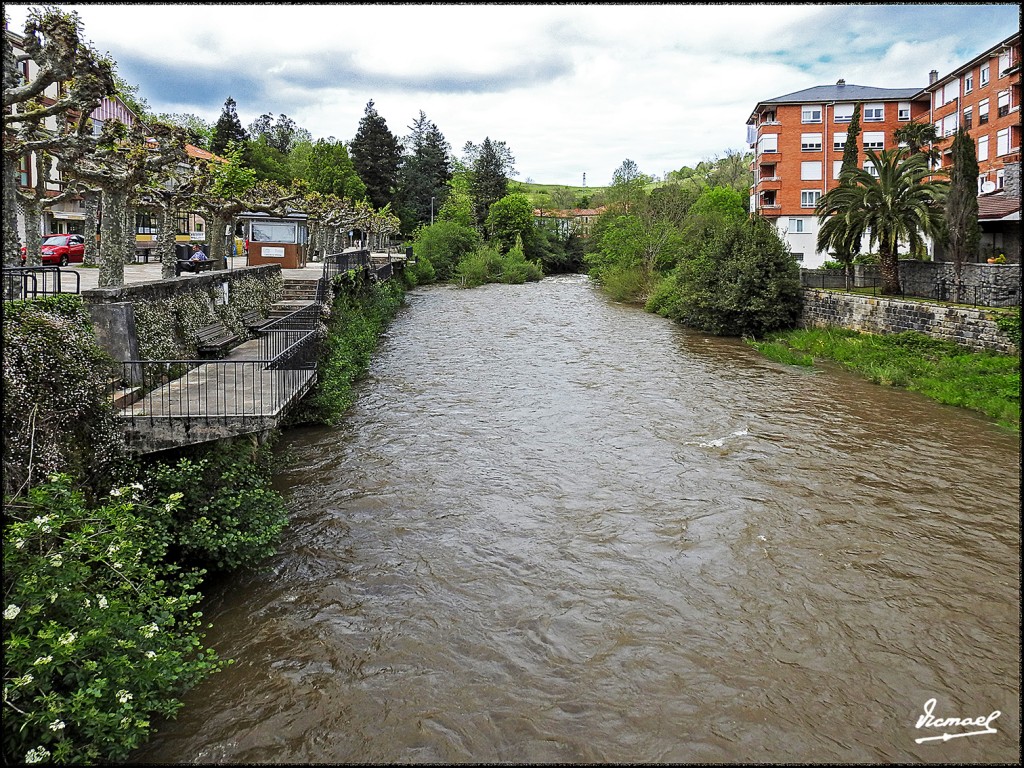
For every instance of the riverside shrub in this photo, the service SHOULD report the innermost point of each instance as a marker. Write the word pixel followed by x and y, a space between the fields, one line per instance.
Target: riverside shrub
pixel 101 635
pixel 740 281
pixel 358 316
pixel 229 516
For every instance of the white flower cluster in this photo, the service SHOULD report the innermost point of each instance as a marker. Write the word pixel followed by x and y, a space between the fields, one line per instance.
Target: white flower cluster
pixel 37 755
pixel 11 612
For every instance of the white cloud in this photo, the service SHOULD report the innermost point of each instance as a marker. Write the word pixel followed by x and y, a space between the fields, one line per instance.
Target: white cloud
pixel 569 88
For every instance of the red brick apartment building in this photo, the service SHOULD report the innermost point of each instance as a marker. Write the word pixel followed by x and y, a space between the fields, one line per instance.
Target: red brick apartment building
pixel 799 138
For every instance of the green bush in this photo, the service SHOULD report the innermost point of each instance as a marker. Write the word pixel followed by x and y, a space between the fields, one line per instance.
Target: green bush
pixel 100 635
pixel 741 281
pixel 444 244
pixel 57 415
pixel 482 266
pixel 228 516
pixel 358 316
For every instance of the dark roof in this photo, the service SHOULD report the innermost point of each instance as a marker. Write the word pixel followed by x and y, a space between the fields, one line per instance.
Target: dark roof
pixel 997 206
pixel 846 92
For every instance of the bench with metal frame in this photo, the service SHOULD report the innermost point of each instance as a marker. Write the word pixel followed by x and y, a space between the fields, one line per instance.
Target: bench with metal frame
pixel 214 340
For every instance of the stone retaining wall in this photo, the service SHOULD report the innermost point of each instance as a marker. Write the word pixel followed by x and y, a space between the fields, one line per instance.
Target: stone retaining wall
pixel 970 328
pixel 114 316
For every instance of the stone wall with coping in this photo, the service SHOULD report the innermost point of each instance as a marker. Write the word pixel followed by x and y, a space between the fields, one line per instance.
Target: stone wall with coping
pixel 218 294
pixel 971 328
pixel 988 285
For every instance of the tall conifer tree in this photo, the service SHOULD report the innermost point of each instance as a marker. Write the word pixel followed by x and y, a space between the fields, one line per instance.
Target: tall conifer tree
pixel 376 155
pixel 962 227
pixel 228 129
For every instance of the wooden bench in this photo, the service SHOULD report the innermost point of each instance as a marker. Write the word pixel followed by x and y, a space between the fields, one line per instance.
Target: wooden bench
pixel 214 339
pixel 192 266
pixel 253 320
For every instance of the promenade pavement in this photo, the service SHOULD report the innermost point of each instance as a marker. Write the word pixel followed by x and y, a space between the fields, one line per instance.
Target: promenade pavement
pixel 144 273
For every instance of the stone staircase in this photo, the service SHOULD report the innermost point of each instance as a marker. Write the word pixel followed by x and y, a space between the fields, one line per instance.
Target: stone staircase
pixel 299 290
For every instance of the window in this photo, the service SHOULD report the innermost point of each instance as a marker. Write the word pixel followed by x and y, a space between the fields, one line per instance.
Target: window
pixel 843 113
pixel 809 197
pixel 273 232
pixel 903 111
pixel 982 148
pixel 810 113
pixel 1004 62
pixel 837 168
pixel 810 142
pixel 968 118
pixel 982 111
pixel 798 257
pixel 768 143
pixel 874 113
pixel 1000 179
pixel 1003 142
pixel 951 91
pixel 874 140
pixel 796 226
pixel 1003 104
pixel 24 72
pixel 145 223
pixel 949 124
pixel 24 177
pixel 768 117
pixel 983 80
pixel 968 82
pixel 810 171
pixel 870 168
pixel 838 142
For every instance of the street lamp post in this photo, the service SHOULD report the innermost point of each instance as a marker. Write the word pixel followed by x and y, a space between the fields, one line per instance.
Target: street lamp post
pixel 431 211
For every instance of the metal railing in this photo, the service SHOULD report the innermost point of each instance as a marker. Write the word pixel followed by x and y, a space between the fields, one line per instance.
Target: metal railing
pixel 338 264
pixel 34 282
pixel 936 290
pixel 212 391
pixel 218 390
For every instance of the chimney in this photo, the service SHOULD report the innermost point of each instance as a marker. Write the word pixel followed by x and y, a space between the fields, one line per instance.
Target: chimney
pixel 840 82
pixel 933 76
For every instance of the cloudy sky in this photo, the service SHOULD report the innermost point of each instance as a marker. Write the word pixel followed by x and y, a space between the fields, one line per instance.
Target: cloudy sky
pixel 571 89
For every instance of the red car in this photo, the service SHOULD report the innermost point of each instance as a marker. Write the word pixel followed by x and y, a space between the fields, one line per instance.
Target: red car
pixel 61 249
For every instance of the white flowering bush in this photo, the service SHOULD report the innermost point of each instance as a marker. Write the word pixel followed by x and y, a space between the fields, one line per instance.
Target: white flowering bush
pixel 101 635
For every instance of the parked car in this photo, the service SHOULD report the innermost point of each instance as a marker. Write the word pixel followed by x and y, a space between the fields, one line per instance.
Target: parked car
pixel 61 249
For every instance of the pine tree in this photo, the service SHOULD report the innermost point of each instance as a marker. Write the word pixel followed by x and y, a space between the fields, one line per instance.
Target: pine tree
pixel 425 172
pixel 376 155
pixel 228 129
pixel 962 227
pixel 488 182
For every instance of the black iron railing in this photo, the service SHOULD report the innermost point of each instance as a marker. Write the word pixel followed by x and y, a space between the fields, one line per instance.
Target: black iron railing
pixel 35 282
pixel 218 390
pixel 936 290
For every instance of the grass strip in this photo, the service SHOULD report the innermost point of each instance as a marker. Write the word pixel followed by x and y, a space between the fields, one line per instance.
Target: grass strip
pixel 986 382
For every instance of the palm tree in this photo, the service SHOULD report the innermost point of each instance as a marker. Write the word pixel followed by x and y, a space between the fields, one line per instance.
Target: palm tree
pixel 898 205
pixel 919 137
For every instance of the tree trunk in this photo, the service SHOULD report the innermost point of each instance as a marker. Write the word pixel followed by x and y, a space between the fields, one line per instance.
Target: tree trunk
pixel 12 245
pixel 129 233
pixel 215 233
pixel 167 241
pixel 112 239
pixel 92 225
pixel 890 268
pixel 33 251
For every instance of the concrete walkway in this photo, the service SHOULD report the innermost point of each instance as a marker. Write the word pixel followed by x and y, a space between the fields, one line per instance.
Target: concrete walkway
pixel 146 273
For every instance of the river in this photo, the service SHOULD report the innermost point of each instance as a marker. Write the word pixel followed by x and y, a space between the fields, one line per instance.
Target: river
pixel 554 528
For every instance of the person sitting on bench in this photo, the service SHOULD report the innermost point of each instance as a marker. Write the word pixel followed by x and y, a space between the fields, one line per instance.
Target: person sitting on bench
pixel 192 263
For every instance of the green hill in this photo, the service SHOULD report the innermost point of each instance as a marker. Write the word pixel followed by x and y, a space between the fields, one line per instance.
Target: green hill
pixel 559 196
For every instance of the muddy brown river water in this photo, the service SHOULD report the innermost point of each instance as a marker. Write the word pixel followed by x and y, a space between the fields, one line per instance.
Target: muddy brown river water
pixel 555 528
